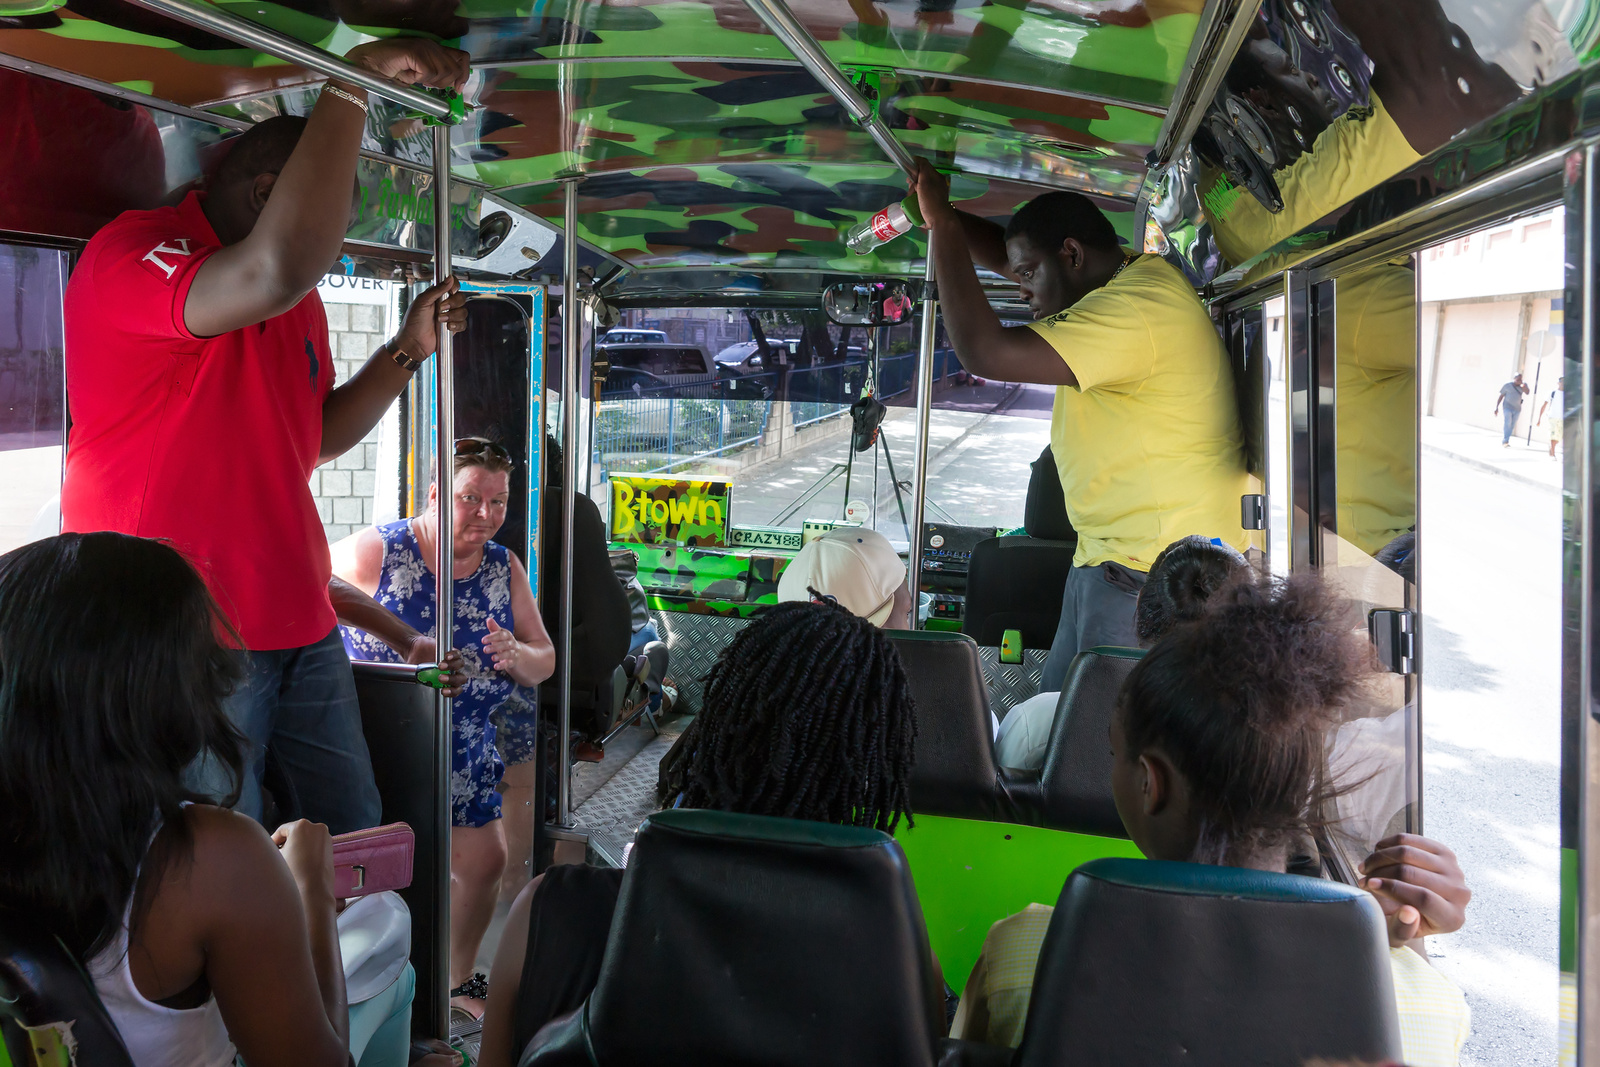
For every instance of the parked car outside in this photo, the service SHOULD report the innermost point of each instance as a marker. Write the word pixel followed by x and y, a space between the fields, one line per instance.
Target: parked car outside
pixel 627 336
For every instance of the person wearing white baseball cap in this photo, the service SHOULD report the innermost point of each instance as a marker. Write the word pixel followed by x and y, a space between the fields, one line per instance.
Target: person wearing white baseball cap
pixel 859 569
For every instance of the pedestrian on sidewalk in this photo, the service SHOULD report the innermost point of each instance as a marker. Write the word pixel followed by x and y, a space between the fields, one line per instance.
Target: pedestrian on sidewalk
pixel 1509 405
pixel 1553 412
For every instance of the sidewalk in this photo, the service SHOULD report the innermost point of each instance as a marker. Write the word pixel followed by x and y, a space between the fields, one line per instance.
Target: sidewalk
pixel 1481 448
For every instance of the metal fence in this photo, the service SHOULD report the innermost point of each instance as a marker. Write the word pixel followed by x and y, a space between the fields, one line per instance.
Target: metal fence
pixel 665 428
pixel 653 430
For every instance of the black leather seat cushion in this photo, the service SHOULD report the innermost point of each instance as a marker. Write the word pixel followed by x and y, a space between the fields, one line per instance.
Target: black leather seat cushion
pixel 40 984
pixel 1044 514
pixel 1075 783
pixel 1149 964
pixel 742 939
pixel 1016 583
pixel 955 772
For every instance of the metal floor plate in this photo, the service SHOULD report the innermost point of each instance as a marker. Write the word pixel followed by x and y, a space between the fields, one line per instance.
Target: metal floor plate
pixel 614 811
pixel 1010 684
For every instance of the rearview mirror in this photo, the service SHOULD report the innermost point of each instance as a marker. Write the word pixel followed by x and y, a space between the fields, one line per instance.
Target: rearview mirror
pixel 868 303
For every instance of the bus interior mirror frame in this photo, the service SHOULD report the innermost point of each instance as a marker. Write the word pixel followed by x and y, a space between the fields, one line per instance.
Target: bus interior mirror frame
pixel 868 303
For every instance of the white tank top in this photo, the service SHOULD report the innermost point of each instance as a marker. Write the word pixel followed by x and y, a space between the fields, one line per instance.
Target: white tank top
pixel 157 1036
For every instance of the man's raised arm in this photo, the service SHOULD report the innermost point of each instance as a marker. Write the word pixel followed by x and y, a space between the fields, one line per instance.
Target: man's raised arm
pixel 985 346
pixel 273 260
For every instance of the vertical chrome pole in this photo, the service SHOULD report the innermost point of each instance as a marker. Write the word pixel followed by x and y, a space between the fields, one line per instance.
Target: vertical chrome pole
pixel 919 479
pixel 571 401
pixel 878 346
pixel 1579 636
pixel 444 449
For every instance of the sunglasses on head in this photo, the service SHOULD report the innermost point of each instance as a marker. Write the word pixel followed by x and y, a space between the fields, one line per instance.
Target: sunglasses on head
pixel 471 446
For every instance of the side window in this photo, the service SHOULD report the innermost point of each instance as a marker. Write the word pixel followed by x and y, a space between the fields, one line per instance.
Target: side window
pixel 690 361
pixel 627 357
pixel 654 360
pixel 32 415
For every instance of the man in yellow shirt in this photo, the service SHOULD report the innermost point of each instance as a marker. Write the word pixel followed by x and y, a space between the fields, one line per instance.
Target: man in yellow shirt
pixel 1145 430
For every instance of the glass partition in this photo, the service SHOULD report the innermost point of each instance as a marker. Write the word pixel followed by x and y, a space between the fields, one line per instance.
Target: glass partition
pixel 1367 507
pixel 1427 489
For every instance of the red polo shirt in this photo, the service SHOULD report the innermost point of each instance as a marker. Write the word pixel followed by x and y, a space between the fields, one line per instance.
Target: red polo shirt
pixel 206 442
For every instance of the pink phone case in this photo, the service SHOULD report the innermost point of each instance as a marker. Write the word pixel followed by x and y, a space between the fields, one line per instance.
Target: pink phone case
pixel 372 861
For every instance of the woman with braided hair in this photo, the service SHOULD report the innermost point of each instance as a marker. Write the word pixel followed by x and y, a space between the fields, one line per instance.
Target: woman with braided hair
pixel 773 741
pixel 807 715
pixel 1217 758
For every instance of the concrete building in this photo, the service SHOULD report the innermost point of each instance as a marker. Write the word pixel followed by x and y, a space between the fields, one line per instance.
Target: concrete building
pixel 362 314
pixel 1491 307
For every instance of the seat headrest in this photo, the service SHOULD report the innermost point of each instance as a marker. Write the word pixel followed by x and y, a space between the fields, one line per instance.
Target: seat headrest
pixel 1015 583
pixel 1152 963
pixel 955 772
pixel 750 939
pixel 41 984
pixel 1044 514
pixel 1075 783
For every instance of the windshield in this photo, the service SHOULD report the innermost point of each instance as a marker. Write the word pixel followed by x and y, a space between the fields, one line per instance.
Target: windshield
pixel 778 431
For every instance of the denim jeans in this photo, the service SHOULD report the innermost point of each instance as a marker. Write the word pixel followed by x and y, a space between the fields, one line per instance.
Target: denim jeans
pixel 301 704
pixel 1097 608
pixel 643 636
pixel 1508 415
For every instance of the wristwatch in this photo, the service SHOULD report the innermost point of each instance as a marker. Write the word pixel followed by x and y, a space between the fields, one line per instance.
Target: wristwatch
pixel 399 355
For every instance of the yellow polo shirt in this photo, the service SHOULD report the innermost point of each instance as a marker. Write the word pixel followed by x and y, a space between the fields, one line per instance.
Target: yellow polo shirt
pixel 1358 150
pixel 1147 444
pixel 1376 417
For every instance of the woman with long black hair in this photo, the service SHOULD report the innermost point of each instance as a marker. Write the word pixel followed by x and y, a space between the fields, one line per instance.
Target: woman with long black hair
pixel 206 938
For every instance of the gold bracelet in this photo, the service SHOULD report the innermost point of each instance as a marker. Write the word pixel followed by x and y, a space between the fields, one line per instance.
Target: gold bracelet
pixel 341 94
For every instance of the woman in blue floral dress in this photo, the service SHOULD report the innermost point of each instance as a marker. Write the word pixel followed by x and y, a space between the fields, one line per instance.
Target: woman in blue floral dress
pixel 504 646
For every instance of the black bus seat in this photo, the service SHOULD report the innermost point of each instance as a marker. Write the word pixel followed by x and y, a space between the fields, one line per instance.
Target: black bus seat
pixel 399 718
pixel 1016 583
pixel 47 1000
pixel 751 939
pixel 1074 785
pixel 955 772
pixel 1149 964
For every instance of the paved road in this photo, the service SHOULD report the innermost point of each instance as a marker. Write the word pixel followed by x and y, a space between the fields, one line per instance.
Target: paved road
pixel 1491 572
pixel 979 449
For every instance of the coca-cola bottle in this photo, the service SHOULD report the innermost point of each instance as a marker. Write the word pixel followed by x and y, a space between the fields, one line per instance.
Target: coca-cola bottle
pixel 884 226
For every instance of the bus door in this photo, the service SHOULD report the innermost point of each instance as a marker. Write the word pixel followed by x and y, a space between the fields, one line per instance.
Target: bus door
pixel 1436 516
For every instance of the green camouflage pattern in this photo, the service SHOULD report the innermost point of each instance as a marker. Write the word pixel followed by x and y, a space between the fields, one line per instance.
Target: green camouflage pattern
pixel 1125 51
pixel 633 115
pixel 765 215
pixel 669 511
pixel 732 583
pixel 698 138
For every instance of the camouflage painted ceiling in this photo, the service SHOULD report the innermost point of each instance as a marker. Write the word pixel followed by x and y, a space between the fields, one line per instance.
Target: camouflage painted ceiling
pixel 698 139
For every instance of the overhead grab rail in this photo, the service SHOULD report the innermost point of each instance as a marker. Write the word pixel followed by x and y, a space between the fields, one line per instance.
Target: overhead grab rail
pixel 781 21
pixel 242 31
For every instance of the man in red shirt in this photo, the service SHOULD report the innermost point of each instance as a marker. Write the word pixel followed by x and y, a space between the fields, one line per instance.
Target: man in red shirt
pixel 200 386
